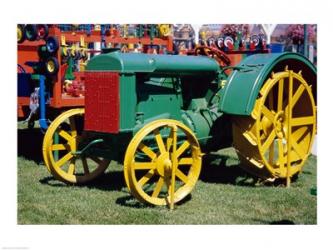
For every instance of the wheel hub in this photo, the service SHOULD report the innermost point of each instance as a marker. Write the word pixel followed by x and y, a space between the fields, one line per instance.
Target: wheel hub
pixel 164 164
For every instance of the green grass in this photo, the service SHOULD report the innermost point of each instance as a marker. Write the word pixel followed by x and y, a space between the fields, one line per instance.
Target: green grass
pixel 225 194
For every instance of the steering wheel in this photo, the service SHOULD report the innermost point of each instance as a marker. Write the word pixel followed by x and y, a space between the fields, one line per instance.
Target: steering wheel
pixel 221 57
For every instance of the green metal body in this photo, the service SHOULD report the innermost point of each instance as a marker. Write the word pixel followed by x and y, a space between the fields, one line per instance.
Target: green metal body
pixel 155 87
pixel 162 65
pixel 158 86
pixel 243 85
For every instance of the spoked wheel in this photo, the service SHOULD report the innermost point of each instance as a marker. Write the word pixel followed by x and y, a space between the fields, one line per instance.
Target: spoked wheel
pixel 61 141
pixel 162 163
pixel 273 136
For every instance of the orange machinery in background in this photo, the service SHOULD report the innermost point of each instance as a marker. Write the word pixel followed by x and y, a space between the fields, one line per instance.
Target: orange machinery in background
pixel 60 57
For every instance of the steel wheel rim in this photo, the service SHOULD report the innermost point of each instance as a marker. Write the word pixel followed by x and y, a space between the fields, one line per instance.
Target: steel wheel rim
pixel 159 164
pixel 69 168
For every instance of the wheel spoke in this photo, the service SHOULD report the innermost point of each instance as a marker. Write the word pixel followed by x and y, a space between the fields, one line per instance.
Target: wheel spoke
pixel 145 149
pixel 298 148
pixel 159 140
pixel 181 176
pixel 55 147
pixel 182 148
pixel 280 95
pixel 185 161
pixel 299 133
pixel 64 159
pixel 144 165
pixel 158 187
pixel 291 79
pixel 65 135
pixel 267 113
pixel 96 159
pixel 268 141
pixel 297 95
pixel 146 177
pixel 71 168
pixel 85 166
pixel 169 141
pixel 301 121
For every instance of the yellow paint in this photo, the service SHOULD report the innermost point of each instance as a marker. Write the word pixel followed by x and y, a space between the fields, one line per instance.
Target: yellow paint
pixel 63 41
pixel 290 106
pixel 163 164
pixel 50 66
pixel 19 34
pixel 164 29
pixel 69 168
pixel 276 140
pixel 82 42
pixel 174 167
pixel 64 51
pixel 223 83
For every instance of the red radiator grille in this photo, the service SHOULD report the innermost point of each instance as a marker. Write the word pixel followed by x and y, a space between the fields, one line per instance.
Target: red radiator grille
pixel 102 102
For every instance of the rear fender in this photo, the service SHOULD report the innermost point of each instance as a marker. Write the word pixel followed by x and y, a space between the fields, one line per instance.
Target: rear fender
pixel 239 94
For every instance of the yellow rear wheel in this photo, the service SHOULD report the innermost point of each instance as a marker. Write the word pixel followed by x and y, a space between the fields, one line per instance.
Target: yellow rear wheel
pixel 61 140
pixel 261 140
pixel 162 162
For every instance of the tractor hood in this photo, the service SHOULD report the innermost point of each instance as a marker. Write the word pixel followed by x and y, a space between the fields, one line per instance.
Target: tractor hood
pixel 155 64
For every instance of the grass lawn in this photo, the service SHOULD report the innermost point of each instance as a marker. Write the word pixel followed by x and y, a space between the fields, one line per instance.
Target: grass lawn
pixel 225 194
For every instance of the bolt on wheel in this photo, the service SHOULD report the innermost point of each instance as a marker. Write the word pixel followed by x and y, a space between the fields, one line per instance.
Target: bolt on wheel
pixel 261 140
pixel 61 142
pixel 162 163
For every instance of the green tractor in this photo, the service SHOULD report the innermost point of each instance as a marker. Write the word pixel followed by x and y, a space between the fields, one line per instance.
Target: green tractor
pixel 159 114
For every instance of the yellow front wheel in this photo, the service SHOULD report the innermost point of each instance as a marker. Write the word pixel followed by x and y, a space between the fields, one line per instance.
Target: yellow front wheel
pixel 280 129
pixel 61 140
pixel 162 162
